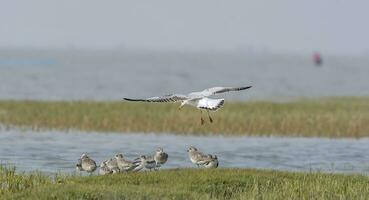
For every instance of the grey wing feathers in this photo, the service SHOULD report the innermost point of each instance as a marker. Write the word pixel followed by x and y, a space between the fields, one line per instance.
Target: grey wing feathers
pixel 218 90
pixel 136 162
pixel 162 99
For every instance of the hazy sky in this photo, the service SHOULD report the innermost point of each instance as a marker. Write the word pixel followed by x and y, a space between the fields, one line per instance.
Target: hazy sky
pixel 280 25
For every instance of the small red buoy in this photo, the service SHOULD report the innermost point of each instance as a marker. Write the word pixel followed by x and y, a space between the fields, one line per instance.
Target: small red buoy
pixel 317 58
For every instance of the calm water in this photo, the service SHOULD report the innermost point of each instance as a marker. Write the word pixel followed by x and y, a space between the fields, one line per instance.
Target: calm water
pixel 57 151
pixel 111 75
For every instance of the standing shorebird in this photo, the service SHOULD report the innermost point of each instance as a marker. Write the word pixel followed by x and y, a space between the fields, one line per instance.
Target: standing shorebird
pixel 199 100
pixel 85 163
pixel 198 158
pixel 160 157
pixel 123 164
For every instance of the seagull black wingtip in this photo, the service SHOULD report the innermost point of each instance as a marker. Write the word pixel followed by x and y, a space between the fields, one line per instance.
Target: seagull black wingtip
pixel 128 99
pixel 245 88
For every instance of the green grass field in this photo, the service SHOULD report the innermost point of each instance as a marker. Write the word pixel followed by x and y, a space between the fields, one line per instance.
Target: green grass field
pixel 327 117
pixel 185 184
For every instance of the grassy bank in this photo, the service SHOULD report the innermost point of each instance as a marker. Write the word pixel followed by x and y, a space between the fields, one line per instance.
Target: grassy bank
pixel 329 117
pixel 186 184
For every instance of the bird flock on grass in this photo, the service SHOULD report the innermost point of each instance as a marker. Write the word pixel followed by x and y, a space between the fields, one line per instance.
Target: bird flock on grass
pixel 119 164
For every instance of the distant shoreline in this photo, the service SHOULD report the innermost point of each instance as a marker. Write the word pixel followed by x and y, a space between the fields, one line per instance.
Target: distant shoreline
pixel 321 117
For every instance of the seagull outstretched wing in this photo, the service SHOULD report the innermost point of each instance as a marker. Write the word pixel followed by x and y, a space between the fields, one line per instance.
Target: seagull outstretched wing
pixel 162 99
pixel 216 90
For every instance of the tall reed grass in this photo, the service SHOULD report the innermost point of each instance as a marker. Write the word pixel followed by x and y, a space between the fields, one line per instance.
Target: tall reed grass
pixel 12 182
pixel 327 117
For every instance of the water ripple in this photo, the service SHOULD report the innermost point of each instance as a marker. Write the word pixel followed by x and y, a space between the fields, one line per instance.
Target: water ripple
pixel 54 151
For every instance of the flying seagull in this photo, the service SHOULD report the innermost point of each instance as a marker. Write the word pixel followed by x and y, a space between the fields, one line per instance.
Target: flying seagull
pixel 199 100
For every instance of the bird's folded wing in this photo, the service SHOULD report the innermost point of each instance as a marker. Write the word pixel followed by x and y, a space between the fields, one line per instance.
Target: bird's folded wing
pixel 218 90
pixel 150 162
pixel 201 156
pixel 137 161
pixel 162 99
pixel 204 160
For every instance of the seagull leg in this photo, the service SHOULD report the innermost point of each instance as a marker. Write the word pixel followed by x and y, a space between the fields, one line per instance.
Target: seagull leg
pixel 202 120
pixel 210 119
pixel 182 104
